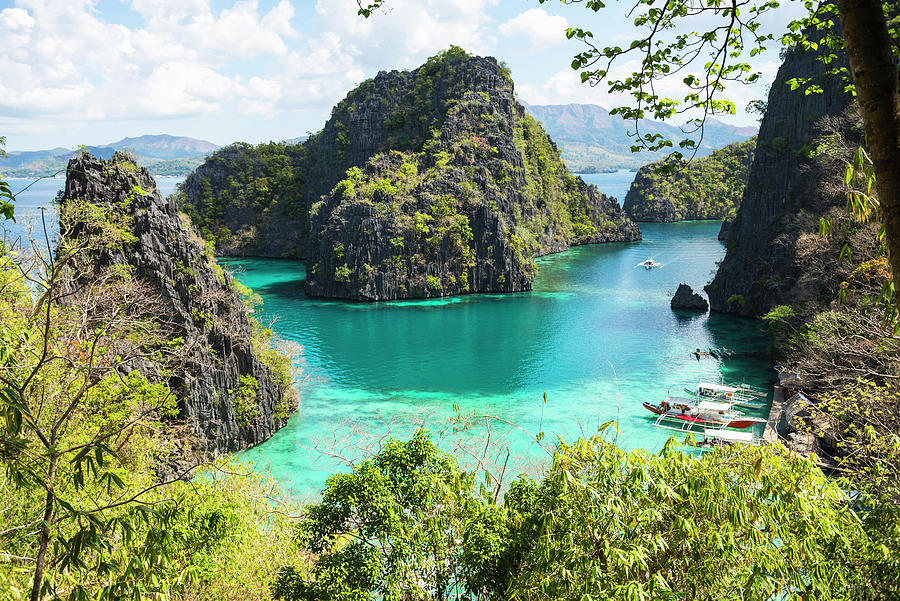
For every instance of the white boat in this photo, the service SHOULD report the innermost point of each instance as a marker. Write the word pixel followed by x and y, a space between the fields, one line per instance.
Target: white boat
pixel 755 391
pixel 717 438
pixel 679 413
pixel 649 264
pixel 739 397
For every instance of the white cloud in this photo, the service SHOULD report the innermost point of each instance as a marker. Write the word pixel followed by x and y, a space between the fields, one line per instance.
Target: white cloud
pixel 178 89
pixel 62 58
pixel 565 87
pixel 14 19
pixel 188 57
pixel 409 32
pixel 536 25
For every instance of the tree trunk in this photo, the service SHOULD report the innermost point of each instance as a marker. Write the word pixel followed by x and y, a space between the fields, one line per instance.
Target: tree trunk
pixel 875 75
pixel 50 501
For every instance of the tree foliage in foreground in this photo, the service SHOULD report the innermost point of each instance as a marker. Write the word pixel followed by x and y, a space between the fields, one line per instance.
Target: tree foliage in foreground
pixel 602 523
pixel 98 500
pixel 6 195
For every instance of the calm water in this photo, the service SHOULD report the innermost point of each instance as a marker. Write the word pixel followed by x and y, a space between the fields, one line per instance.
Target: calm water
pixel 612 184
pixel 596 334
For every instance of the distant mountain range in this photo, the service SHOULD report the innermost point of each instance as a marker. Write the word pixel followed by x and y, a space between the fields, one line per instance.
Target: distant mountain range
pixel 589 139
pixel 162 154
pixel 592 140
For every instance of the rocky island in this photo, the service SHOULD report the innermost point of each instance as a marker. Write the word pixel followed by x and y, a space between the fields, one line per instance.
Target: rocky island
pixel 423 183
pixel 705 188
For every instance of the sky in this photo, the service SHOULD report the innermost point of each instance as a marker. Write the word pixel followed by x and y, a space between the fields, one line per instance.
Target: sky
pixel 95 71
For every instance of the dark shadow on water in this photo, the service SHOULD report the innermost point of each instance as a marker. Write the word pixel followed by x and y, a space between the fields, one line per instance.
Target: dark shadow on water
pixel 284 289
pixel 744 337
pixel 684 316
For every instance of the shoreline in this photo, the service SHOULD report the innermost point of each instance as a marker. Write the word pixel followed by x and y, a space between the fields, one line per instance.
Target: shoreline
pixel 770 435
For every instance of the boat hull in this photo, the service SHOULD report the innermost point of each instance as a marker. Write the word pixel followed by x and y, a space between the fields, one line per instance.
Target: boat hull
pixel 702 419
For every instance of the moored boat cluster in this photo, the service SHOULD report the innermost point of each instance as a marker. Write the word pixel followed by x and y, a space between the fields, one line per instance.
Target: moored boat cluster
pixel 713 411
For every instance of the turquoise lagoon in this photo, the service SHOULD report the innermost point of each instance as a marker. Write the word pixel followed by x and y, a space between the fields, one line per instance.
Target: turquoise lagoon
pixel 596 334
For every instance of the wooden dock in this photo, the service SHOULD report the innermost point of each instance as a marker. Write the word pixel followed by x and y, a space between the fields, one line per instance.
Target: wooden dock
pixel 771 433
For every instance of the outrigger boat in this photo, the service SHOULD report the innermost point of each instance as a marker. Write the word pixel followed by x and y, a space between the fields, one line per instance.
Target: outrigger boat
pixel 739 397
pixel 754 391
pixel 688 412
pixel 714 438
pixel 649 264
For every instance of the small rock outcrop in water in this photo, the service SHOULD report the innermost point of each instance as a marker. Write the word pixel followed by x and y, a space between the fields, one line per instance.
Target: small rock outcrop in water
pixel 423 183
pixel 234 391
pixel 686 299
pixel 706 188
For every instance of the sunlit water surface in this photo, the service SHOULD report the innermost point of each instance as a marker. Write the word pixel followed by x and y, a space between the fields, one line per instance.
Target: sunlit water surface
pixel 596 334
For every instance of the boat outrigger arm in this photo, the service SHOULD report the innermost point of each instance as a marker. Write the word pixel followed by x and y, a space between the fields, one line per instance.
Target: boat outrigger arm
pixel 719 437
pixel 740 397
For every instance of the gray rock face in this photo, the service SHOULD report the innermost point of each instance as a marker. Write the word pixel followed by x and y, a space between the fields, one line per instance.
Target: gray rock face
pixel 686 299
pixel 475 192
pixel 201 302
pixel 760 264
pixel 423 183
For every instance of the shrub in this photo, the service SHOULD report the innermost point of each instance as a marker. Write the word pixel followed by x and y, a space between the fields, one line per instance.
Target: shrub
pixel 341 273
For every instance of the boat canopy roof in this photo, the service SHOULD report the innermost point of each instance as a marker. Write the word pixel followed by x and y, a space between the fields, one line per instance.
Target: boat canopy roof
pixel 729 435
pixel 718 387
pixel 710 406
pixel 680 400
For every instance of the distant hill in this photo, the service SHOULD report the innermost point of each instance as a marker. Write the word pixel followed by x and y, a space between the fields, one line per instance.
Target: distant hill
pixel 164 147
pixel 162 154
pixel 297 140
pixel 592 140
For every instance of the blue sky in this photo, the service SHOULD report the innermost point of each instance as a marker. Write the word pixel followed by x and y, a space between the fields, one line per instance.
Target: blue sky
pixel 94 71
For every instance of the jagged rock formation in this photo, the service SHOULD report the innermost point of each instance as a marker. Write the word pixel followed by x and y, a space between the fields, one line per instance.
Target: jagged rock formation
pixel 422 183
pixel 706 188
pixel 234 391
pixel 686 299
pixel 461 189
pixel 782 200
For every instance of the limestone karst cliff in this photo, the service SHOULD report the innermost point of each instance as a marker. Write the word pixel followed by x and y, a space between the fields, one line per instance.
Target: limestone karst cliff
pixel 783 200
pixel 423 183
pixel 233 390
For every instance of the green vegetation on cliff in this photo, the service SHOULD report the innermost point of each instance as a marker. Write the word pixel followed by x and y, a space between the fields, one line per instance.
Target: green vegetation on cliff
pixel 240 181
pixel 706 188
pixel 463 190
pixel 98 462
